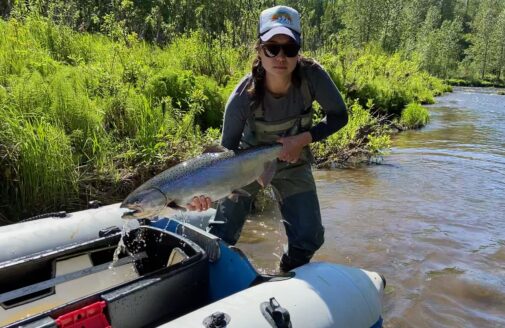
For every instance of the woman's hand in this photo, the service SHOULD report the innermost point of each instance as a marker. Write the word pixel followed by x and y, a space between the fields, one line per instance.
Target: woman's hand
pixel 199 204
pixel 292 146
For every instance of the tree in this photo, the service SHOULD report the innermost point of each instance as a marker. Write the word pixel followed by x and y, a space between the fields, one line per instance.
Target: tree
pixel 499 42
pixel 391 24
pixel 362 21
pixel 481 38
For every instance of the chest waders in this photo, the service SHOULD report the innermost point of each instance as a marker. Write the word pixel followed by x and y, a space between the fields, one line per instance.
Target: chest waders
pixel 293 183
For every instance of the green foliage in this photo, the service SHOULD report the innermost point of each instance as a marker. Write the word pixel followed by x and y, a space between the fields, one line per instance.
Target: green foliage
pixel 80 111
pixel 214 58
pixel 169 82
pixel 187 91
pixel 38 167
pixel 414 116
pixel 362 139
pixel 454 38
pixel 390 80
pixel 70 105
pixel 439 48
pixel 29 94
pixel 86 116
pixel 484 46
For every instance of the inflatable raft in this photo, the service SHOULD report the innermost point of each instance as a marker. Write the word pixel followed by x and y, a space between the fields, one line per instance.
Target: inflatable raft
pixel 70 272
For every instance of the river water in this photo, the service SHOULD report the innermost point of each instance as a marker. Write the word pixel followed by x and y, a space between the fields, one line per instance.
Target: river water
pixel 430 218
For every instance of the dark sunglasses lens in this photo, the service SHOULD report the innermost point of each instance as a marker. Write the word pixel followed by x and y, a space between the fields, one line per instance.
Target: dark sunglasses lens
pixel 290 50
pixel 271 50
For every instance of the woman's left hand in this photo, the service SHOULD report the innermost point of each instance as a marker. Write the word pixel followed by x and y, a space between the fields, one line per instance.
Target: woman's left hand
pixel 292 146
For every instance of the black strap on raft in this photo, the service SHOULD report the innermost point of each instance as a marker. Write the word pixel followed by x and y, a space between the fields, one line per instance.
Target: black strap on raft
pixel 276 315
pixel 217 320
pixel 94 204
pixel 60 214
pixel 109 231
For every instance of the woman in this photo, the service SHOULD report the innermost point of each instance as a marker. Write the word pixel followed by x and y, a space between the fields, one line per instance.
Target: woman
pixel 274 104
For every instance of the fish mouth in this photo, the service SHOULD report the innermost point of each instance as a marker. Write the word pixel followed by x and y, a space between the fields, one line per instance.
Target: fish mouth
pixel 133 213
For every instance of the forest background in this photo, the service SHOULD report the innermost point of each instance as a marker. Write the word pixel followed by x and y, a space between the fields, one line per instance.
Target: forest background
pixel 96 97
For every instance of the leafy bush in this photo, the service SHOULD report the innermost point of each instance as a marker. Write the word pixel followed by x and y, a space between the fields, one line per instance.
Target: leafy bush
pixel 391 81
pixel 414 116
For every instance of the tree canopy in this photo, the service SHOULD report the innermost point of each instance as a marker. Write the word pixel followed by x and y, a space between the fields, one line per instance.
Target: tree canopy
pixel 454 38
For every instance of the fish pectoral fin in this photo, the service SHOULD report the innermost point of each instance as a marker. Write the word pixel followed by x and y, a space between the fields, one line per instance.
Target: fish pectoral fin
pixel 235 194
pixel 268 173
pixel 174 206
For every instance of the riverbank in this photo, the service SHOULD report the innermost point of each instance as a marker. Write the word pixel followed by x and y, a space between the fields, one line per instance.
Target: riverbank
pixel 86 117
pixel 475 83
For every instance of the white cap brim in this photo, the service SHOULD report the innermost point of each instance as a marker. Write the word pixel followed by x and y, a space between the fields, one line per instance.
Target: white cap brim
pixel 280 30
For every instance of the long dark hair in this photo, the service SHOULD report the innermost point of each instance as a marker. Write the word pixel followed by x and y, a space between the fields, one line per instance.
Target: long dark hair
pixel 256 88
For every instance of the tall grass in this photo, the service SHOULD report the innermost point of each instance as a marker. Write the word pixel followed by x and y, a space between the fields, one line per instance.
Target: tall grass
pixel 39 168
pixel 80 110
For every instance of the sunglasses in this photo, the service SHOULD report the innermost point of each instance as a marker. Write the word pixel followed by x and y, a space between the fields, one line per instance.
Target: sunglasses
pixel 272 49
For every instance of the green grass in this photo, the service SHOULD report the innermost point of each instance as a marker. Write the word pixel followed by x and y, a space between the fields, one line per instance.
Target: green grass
pixel 39 167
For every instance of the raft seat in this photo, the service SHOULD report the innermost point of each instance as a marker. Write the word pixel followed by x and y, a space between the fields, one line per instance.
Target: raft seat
pixel 158 271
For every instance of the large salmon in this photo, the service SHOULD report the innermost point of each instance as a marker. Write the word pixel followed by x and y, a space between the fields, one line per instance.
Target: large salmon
pixel 216 175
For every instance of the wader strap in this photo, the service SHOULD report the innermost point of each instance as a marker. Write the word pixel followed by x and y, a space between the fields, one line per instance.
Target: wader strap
pixel 302 121
pixel 307 97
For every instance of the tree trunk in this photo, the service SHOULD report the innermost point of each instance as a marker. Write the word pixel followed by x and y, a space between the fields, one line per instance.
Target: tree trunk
pixel 386 25
pixel 502 60
pixel 5 8
pixel 484 63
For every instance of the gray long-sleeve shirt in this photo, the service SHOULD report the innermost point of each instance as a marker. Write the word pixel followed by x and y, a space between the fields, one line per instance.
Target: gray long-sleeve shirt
pixel 322 89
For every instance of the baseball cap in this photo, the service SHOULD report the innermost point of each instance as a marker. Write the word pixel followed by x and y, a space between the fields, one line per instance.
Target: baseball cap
pixel 280 20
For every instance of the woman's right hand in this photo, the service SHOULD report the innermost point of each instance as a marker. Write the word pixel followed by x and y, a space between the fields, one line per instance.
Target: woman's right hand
pixel 199 204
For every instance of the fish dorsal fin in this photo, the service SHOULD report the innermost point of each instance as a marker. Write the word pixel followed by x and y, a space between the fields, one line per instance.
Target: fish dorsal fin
pixel 268 173
pixel 214 148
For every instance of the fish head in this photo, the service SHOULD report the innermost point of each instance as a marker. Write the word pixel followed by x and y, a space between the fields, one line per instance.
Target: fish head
pixel 144 204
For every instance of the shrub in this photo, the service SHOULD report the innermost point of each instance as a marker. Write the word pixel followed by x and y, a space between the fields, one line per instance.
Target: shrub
pixel 414 116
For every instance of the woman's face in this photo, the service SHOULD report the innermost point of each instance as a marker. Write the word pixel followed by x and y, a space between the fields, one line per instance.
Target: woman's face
pixel 280 65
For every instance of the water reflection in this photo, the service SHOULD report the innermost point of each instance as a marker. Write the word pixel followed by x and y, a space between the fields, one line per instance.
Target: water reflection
pixel 431 219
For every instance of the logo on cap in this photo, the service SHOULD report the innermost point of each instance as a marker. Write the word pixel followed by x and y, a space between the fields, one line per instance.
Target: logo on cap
pixel 282 18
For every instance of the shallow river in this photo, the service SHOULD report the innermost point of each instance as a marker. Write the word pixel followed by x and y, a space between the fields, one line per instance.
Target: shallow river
pixel 431 218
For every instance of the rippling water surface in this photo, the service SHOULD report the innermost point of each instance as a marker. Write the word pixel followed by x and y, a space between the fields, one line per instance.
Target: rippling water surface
pixel 431 218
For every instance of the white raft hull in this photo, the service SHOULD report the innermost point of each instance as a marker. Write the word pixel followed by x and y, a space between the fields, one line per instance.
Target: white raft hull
pixel 320 295
pixel 28 238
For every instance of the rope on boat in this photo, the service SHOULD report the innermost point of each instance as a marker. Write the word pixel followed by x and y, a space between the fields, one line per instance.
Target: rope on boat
pixel 60 214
